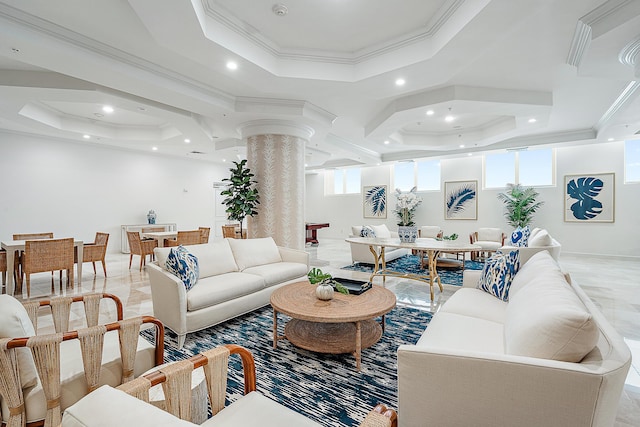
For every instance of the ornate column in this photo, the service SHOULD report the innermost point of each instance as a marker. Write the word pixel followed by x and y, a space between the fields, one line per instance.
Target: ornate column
pixel 275 154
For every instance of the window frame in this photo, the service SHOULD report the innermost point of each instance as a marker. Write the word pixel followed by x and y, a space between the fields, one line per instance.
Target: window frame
pixel 517 169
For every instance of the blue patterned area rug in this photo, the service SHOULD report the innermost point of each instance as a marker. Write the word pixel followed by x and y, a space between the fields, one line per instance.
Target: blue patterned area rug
pixel 411 264
pixel 324 387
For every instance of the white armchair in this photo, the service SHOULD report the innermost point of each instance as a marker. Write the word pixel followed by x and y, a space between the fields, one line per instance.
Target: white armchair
pixel 361 253
pixel 490 239
pixel 430 231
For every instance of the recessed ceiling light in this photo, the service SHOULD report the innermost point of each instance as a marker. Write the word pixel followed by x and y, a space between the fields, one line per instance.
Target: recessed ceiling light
pixel 306 165
pixel 386 142
pixel 232 65
pixel 610 139
pixel 187 140
pixel 85 136
pixel 532 120
pixel 224 160
pixel 400 82
pixel 461 145
pixel 154 148
pixel 449 119
pixel 107 109
pixel 430 113
pixel 468 154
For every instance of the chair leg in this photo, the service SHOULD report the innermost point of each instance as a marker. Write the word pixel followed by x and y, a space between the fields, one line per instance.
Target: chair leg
pixel 142 259
pixel 130 260
pixel 70 276
pixel 94 267
pixel 28 286
pixel 104 268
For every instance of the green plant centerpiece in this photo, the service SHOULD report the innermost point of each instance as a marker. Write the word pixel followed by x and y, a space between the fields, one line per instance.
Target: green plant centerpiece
pixel 325 284
pixel 242 196
pixel 520 204
pixel 450 237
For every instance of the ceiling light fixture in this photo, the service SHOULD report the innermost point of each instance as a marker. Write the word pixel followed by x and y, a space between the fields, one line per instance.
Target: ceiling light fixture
pixel 532 120
pixel 154 148
pixel 449 119
pixel 232 65
pixel 468 154
pixel 461 145
pixel 610 139
pixel 386 142
pixel 187 140
pixel 400 82
pixel 430 113
pixel 85 136
pixel 107 109
pixel 279 9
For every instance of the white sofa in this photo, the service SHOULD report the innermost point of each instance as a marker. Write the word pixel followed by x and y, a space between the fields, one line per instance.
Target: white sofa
pixel 539 240
pixel 361 253
pixel 530 361
pixel 236 276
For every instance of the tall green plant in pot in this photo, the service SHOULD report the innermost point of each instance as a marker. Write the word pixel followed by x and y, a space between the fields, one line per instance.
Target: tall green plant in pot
pixel 242 195
pixel 520 204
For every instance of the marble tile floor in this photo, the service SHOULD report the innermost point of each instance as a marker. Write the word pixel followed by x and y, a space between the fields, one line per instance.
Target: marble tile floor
pixel 612 284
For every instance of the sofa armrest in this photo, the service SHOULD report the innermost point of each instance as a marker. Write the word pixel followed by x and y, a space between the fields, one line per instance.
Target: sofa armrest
pixel 498 389
pixel 294 255
pixel 470 278
pixel 169 298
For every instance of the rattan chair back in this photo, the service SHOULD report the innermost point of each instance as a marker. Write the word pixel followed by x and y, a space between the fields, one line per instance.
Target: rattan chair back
pixel 229 231
pixel 32 236
pixel 48 255
pixel 192 237
pixel 204 234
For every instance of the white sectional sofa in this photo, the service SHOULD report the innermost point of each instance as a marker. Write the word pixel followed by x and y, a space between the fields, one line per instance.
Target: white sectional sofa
pixel 236 276
pixel 539 240
pixel 361 253
pixel 547 357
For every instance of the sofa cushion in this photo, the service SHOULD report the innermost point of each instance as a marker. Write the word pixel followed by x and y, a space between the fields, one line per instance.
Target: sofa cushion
pixel 520 236
pixel 355 230
pixel 540 239
pixel 213 258
pixel 72 379
pixel 15 323
pixel 381 231
pixel 473 302
pixel 539 266
pixel 498 273
pixel 546 319
pixel 252 252
pixel 367 231
pixel 214 290
pixel 183 265
pixel 278 272
pixel 255 409
pixel 451 331
pixel 97 410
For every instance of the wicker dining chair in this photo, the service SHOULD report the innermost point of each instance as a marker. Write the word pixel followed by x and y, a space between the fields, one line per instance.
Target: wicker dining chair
pixel 18 258
pixel 191 237
pixel 139 247
pixel 204 234
pixel 95 251
pixel 229 231
pixel 48 255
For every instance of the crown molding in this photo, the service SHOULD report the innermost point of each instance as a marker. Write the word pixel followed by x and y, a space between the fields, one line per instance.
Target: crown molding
pixel 630 55
pixel 300 108
pixel 624 97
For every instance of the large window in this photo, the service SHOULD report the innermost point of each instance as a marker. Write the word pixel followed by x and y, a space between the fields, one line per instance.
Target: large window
pixel 632 160
pixel 425 175
pixel 343 181
pixel 532 168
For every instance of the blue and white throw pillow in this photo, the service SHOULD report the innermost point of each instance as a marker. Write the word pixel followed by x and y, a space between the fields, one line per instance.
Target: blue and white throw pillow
pixel 367 231
pixel 184 265
pixel 498 272
pixel 520 236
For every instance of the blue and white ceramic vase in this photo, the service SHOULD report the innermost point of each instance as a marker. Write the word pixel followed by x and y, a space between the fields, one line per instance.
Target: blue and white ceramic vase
pixel 151 217
pixel 408 233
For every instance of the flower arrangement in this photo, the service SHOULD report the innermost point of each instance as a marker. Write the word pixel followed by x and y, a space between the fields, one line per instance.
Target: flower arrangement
pixel 406 205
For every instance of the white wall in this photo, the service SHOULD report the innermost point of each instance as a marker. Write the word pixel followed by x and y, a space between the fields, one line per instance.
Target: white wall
pixel 620 238
pixel 75 190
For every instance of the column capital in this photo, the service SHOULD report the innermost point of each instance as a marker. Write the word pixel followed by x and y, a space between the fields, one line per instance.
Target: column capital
pixel 275 127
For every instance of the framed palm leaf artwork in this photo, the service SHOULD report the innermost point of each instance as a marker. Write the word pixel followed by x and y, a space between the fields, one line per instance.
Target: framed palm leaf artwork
pixel 375 201
pixel 589 197
pixel 461 200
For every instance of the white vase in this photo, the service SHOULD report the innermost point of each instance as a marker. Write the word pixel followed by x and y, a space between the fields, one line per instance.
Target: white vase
pixel 408 233
pixel 324 292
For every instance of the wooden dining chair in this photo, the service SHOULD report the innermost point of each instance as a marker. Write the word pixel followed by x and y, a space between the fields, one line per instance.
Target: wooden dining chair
pixel 204 234
pixel 95 251
pixel 48 255
pixel 229 231
pixel 190 237
pixel 139 247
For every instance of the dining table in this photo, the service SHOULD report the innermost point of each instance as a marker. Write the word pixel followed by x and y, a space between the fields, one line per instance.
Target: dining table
pixel 160 236
pixel 432 247
pixel 11 246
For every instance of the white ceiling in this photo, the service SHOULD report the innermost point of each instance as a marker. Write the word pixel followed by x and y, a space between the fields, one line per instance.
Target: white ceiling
pixel 494 65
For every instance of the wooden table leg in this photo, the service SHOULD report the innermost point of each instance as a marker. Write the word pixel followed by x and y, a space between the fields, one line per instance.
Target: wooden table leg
pixel 358 345
pixel 275 328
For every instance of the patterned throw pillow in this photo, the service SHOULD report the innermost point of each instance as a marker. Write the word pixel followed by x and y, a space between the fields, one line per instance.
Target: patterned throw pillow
pixel 183 265
pixel 520 236
pixel 498 272
pixel 367 231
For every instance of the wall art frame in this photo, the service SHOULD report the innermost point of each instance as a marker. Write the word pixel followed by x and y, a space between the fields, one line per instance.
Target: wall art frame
pixel 374 201
pixel 461 200
pixel 589 197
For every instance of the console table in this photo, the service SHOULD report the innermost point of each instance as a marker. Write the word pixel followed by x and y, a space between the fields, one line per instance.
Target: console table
pixel 124 242
pixel 311 228
pixel 433 248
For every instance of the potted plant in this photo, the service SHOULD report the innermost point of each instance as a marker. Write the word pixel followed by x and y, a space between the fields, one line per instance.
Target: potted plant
pixel 406 205
pixel 520 204
pixel 242 196
pixel 325 284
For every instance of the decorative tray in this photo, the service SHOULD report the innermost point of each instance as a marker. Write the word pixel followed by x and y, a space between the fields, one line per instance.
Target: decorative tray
pixel 355 287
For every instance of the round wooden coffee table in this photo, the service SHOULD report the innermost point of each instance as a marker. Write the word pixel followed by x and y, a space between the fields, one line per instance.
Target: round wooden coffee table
pixel 345 324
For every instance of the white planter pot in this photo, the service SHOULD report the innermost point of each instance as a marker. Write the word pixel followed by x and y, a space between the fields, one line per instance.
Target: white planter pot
pixel 408 233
